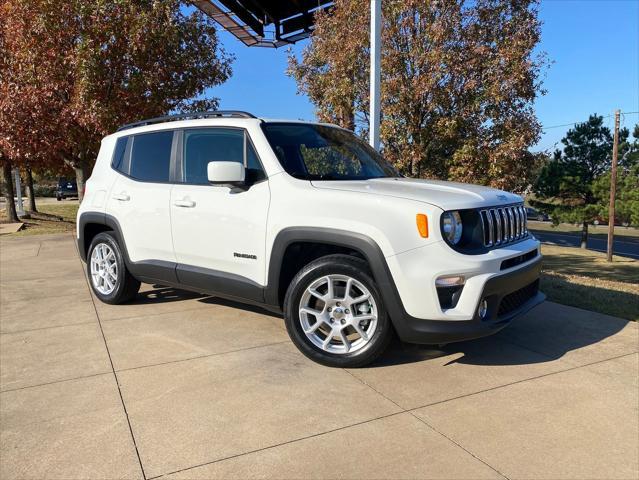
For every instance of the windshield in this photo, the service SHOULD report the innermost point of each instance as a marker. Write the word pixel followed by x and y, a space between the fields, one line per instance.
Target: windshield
pixel 318 152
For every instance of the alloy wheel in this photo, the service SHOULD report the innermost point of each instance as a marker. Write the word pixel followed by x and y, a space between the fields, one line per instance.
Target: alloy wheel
pixel 338 314
pixel 104 269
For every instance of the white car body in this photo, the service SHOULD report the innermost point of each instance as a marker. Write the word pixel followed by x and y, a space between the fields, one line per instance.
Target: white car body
pixel 201 230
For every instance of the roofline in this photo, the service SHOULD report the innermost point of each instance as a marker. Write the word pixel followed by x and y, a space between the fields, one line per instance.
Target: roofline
pixel 189 116
pixel 200 118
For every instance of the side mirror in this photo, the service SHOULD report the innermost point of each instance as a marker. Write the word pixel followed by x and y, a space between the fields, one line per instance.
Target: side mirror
pixel 226 173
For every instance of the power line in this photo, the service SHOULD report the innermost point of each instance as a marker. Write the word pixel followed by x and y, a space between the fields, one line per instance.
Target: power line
pixel 567 124
pixel 555 144
pixel 575 123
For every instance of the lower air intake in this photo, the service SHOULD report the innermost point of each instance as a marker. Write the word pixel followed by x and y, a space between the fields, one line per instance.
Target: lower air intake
pixel 516 299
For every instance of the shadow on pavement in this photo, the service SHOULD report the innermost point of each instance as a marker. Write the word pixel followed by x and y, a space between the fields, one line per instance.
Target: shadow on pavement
pixel 242 306
pixel 161 294
pixel 545 334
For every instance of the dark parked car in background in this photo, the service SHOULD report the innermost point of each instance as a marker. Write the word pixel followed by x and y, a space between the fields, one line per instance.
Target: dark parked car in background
pixel 536 215
pixel 66 189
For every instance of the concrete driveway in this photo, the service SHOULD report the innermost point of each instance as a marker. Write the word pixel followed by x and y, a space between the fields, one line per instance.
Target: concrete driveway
pixel 181 386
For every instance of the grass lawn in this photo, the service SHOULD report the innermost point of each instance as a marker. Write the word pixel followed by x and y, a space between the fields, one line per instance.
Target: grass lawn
pixel 34 226
pixel 596 231
pixel 583 278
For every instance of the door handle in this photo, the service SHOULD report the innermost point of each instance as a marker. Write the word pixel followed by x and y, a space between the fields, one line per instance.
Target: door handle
pixel 185 203
pixel 122 197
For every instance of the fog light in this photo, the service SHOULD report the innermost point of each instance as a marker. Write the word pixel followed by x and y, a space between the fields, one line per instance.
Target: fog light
pixel 482 311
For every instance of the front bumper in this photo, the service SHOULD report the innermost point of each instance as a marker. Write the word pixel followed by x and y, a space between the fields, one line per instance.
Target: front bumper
pixel 507 295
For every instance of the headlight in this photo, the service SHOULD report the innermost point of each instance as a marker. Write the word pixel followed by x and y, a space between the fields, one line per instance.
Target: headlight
pixel 452 227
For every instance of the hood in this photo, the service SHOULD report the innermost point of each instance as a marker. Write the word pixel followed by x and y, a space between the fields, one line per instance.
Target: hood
pixel 446 195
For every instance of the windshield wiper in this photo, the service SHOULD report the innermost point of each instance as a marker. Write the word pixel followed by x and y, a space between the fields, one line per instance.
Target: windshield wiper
pixel 327 176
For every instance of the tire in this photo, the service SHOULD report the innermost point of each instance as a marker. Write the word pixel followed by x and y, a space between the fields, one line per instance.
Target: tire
pixel 332 315
pixel 108 276
pixel 58 198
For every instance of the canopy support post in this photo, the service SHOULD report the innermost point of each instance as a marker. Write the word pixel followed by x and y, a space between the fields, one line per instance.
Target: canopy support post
pixel 375 79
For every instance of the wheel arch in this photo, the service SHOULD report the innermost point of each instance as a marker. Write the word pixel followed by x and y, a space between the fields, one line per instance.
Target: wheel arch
pixel 341 242
pixel 92 223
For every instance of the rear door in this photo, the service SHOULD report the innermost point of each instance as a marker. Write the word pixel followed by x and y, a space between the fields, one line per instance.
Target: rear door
pixel 139 198
pixel 219 232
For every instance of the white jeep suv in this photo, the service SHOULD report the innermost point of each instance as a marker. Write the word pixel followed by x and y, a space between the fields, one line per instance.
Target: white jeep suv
pixel 304 219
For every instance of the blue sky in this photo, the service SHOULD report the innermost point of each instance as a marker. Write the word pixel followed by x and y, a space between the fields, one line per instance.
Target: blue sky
pixel 593 44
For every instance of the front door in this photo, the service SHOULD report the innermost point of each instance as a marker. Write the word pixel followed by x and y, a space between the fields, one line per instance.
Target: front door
pixel 218 231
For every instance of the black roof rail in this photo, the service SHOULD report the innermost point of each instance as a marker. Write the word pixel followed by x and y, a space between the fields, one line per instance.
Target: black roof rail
pixel 189 116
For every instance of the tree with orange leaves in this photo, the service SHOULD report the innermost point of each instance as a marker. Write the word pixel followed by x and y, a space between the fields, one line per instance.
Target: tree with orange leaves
pixel 73 71
pixel 459 79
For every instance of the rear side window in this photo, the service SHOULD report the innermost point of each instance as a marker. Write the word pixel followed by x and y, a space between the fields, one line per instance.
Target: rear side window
pixel 204 145
pixel 151 156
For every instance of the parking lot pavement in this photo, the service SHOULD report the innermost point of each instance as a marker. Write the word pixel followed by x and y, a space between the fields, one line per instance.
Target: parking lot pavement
pixel 177 385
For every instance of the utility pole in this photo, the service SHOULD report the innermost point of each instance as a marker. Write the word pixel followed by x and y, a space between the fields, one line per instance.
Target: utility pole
pixel 613 187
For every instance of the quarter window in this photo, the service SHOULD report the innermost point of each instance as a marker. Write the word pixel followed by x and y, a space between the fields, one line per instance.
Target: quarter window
pixel 118 155
pixel 205 145
pixel 151 156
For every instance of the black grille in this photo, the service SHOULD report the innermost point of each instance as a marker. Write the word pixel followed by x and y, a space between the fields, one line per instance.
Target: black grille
pixel 516 299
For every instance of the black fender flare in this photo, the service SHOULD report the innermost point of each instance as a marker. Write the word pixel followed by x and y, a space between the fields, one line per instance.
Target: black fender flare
pixel 151 271
pixel 100 219
pixel 358 242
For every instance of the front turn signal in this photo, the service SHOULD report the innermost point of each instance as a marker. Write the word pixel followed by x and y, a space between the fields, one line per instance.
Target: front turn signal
pixel 422 225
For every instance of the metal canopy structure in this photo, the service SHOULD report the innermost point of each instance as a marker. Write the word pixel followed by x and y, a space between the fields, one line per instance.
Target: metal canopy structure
pixel 265 23
pixel 293 20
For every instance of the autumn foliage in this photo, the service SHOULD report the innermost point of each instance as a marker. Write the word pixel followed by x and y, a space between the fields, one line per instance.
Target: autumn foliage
pixel 73 71
pixel 458 83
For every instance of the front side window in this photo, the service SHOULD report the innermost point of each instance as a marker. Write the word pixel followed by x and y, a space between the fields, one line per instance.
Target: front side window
pixel 204 145
pixel 151 156
pixel 319 152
